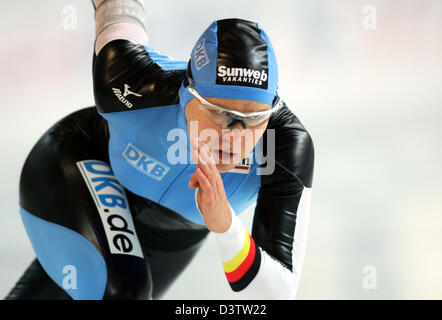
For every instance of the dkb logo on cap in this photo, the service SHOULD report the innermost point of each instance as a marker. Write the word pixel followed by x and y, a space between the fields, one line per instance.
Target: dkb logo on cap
pixel 200 55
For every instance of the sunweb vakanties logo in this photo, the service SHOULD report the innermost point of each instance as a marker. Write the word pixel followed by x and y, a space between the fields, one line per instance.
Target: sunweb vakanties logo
pixel 242 77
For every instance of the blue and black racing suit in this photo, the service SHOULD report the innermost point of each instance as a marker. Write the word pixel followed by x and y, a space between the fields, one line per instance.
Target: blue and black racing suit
pixel 100 199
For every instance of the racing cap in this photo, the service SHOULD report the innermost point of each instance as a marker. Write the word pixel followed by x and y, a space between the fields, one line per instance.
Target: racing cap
pixel 234 59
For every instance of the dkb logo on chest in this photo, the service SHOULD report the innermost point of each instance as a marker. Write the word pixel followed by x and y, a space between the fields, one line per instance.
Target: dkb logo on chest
pixel 144 163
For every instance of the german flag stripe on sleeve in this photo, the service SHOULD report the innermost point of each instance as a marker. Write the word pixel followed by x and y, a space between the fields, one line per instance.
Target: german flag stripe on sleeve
pixel 242 269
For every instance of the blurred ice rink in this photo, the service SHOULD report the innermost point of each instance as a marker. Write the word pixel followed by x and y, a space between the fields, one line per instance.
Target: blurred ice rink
pixel 371 99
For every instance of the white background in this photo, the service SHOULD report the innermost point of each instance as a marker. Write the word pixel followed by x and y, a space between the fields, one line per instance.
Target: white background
pixel 371 99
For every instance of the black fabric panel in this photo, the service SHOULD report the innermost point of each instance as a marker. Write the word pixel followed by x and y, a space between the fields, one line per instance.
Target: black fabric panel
pixel 35 284
pixel 274 225
pixel 122 62
pixel 294 152
pixel 51 186
pixel 274 221
pixel 169 253
pixel 240 46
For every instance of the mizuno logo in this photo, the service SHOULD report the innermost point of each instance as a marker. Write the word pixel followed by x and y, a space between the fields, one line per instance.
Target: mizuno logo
pixel 128 92
pixel 122 96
